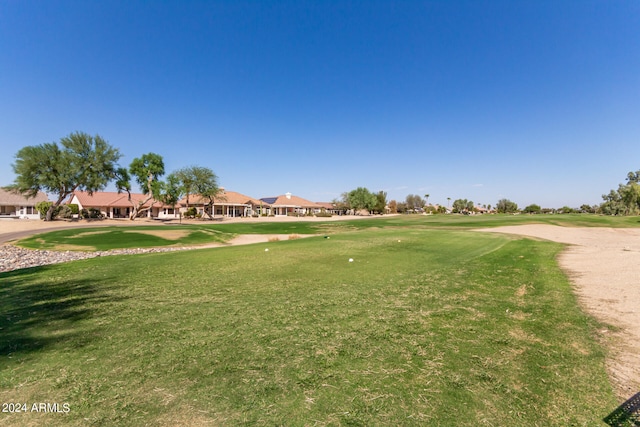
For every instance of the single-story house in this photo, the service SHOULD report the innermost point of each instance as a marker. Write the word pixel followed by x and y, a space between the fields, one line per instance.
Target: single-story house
pixel 15 205
pixel 331 208
pixel 117 205
pixel 480 209
pixel 289 204
pixel 227 204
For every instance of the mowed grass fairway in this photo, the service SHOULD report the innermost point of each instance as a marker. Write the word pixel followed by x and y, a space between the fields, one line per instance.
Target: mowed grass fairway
pixel 427 326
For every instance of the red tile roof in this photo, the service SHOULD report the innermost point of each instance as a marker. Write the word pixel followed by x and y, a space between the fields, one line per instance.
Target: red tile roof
pixel 112 199
pixel 225 198
pixel 326 205
pixel 291 200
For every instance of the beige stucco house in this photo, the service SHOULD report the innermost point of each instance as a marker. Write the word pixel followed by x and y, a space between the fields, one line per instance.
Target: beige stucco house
pixel 14 205
pixel 117 205
pixel 288 204
pixel 228 204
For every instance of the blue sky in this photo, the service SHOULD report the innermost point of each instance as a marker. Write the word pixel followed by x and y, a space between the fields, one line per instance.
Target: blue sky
pixel 534 101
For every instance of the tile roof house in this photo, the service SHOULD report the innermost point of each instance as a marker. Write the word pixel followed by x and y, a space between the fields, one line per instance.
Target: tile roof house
pixel 226 204
pixel 117 205
pixel 288 204
pixel 15 205
pixel 331 208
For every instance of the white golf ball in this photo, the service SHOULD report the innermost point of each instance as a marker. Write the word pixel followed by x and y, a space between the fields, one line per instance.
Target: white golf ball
pixel 266 250
pixel 350 259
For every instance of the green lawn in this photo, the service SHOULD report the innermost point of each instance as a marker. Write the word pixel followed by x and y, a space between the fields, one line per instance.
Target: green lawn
pixel 429 325
pixel 106 238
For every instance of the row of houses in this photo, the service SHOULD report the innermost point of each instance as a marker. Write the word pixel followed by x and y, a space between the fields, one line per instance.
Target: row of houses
pixel 117 205
pixel 227 204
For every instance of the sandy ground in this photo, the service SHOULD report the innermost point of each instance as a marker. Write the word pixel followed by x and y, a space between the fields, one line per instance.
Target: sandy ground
pixel 604 267
pixel 602 263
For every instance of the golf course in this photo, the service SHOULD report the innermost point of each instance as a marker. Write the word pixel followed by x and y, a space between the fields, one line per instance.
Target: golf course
pixel 406 320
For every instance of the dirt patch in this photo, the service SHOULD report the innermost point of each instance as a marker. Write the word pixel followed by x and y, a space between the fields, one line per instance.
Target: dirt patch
pixel 75 248
pixel 604 265
pixel 169 234
pixel 246 239
pixel 89 233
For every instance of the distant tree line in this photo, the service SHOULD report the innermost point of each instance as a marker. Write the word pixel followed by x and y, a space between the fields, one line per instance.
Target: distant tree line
pixel 81 162
pixel 623 201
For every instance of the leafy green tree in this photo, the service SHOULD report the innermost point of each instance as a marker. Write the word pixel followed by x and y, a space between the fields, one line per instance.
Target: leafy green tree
pixel 462 205
pixel 414 202
pixel 205 183
pixel 393 206
pixel 401 207
pixel 79 162
pixel 187 177
pixel 362 198
pixel 506 206
pixel 146 170
pixel 532 209
pixel 626 199
pixel 341 203
pixel 43 209
pixel 381 202
pixel 585 208
pixel 633 177
pixel 613 204
pixel 172 190
pixel 630 194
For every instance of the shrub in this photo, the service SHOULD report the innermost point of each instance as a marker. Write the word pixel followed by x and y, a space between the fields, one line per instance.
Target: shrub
pixel 324 214
pixel 65 212
pixel 533 209
pixel 91 213
pixel 43 207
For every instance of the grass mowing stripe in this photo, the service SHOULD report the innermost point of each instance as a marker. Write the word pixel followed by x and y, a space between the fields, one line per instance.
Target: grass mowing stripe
pixel 105 238
pixel 424 327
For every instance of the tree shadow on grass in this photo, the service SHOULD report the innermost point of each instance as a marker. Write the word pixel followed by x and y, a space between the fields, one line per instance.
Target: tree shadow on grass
pixel 627 414
pixel 36 313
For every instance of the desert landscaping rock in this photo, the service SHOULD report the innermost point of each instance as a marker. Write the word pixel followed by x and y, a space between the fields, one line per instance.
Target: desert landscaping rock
pixel 15 258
